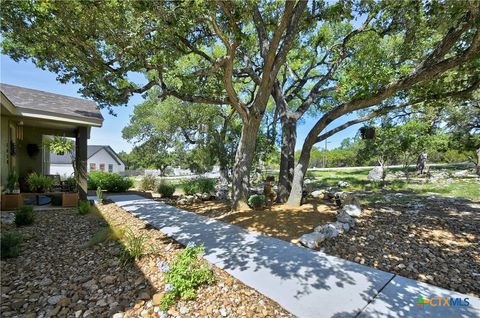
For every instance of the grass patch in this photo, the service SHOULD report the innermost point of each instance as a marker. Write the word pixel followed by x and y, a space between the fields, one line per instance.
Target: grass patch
pixel 106 234
pixel 24 215
pixel 134 247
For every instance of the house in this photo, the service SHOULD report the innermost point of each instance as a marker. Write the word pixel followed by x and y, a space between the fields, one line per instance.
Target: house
pixel 28 116
pixel 99 158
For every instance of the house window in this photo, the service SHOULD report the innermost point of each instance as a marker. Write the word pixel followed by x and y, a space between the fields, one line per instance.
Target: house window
pixel 93 167
pixel 102 167
pixel 110 168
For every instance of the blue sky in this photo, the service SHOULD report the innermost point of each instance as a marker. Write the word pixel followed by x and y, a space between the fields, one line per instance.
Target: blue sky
pixel 26 74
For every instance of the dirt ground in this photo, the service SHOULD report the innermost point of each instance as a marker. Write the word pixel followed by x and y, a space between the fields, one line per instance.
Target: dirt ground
pixel 279 221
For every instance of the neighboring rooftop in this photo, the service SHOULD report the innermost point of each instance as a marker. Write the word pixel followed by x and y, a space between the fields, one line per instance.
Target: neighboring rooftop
pixel 91 150
pixel 32 99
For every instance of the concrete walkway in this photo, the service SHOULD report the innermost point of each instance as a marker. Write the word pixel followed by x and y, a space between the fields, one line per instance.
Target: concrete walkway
pixel 307 283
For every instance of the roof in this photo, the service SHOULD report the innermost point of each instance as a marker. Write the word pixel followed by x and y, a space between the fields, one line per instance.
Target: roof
pixel 32 99
pixel 91 150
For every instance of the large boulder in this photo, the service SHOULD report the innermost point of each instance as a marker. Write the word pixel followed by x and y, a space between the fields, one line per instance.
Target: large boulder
pixel 352 210
pixel 311 240
pixel 376 174
pixel 344 217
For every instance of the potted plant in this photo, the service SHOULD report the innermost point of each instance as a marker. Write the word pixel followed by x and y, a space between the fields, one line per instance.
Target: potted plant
pixel 12 199
pixel 38 183
pixel 70 197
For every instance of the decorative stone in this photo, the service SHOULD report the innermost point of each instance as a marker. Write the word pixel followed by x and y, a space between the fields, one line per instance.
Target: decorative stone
pixel 319 194
pixel 344 217
pixel 343 184
pixel 375 174
pixel 157 298
pixel 312 240
pixel 352 210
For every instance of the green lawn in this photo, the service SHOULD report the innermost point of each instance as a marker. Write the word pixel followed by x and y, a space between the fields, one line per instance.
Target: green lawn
pixel 468 188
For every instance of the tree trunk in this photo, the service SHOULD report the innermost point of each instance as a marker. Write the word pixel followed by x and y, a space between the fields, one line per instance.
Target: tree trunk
pixel 243 164
pixel 295 197
pixel 287 158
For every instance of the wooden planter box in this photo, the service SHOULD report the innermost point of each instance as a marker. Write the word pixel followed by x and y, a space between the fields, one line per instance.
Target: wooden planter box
pixel 11 201
pixel 69 199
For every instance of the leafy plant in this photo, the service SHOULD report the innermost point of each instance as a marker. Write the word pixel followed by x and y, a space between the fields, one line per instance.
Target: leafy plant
pixel 84 207
pixel 24 215
pixel 59 145
pixel 147 183
pixel 39 183
pixel 12 180
pixel 200 185
pixel 256 201
pixel 186 272
pixel 166 189
pixel 111 182
pixel 134 247
pixel 99 195
pixel 70 184
pixel 10 244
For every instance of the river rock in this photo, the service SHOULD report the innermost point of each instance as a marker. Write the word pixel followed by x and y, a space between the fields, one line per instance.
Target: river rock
pixel 352 210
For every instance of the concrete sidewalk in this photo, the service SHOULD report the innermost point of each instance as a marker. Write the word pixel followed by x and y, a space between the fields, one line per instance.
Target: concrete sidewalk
pixel 307 283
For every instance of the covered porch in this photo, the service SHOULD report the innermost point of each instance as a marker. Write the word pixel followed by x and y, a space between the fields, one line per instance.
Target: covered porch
pixel 30 116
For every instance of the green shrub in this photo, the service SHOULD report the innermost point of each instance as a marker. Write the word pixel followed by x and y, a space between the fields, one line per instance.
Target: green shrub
pixel 200 185
pixel 133 248
pixel 185 273
pixel 106 234
pixel 84 207
pixel 166 189
pixel 39 183
pixel 256 201
pixel 111 182
pixel 148 182
pixel 24 215
pixel 10 244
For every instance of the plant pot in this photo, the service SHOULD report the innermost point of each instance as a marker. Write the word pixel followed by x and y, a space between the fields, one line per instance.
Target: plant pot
pixel 11 201
pixel 69 199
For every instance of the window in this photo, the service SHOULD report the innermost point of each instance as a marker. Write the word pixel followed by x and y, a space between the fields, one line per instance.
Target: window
pixel 102 167
pixel 93 167
pixel 110 168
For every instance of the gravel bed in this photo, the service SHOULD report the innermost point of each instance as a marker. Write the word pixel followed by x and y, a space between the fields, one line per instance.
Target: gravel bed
pixel 59 274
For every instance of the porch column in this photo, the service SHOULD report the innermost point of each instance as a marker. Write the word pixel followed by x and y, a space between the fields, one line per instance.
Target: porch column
pixel 81 161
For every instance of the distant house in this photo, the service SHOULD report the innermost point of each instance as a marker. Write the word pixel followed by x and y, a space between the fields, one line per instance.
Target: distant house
pixel 99 158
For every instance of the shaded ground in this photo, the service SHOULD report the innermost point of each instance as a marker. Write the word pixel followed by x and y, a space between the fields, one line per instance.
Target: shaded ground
pixel 412 229
pixel 66 269
pixel 286 224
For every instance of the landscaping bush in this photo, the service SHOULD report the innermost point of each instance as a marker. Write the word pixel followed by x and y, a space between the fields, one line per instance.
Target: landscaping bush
pixel 39 183
pixel 256 201
pixel 148 182
pixel 24 215
pixel 111 182
pixel 134 247
pixel 10 244
pixel 84 207
pixel 199 186
pixel 185 273
pixel 166 189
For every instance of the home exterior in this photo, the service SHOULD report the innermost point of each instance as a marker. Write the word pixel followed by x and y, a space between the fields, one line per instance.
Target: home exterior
pixel 28 117
pixel 99 158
